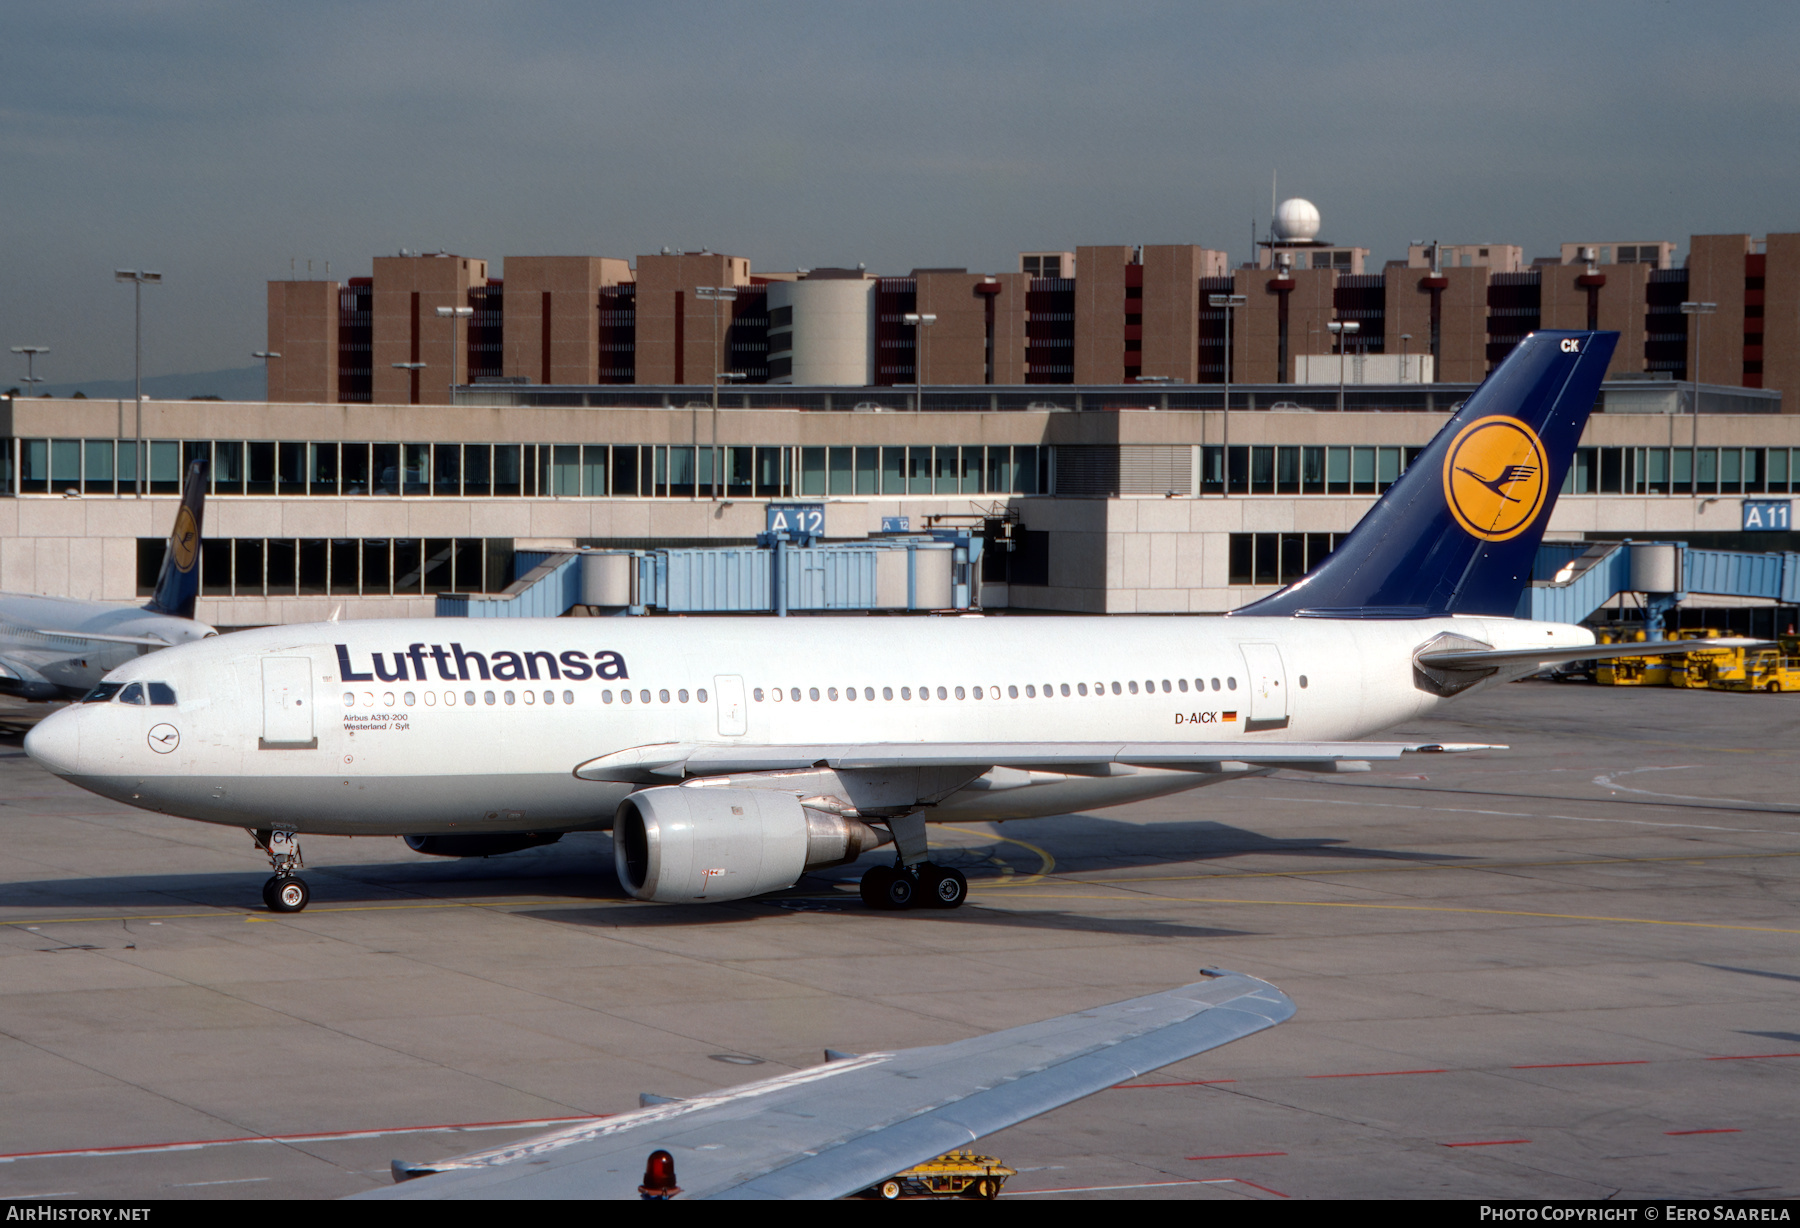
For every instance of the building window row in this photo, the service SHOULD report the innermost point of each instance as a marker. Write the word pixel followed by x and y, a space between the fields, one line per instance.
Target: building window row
pixel 451 470
pixel 892 470
pixel 1277 558
pixel 256 468
pixel 1662 471
pixel 1273 470
pixel 339 567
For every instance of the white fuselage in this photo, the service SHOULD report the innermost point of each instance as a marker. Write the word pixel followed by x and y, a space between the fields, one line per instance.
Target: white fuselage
pixel 268 729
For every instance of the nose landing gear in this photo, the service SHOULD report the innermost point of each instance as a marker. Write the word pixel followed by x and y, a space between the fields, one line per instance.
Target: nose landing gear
pixel 285 891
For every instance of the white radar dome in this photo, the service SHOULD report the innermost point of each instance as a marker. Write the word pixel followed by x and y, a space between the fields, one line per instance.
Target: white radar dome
pixel 1296 220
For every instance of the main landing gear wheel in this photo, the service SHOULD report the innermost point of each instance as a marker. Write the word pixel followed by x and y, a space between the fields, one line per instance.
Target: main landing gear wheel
pixel 286 894
pixel 873 887
pixel 942 887
pixel 888 889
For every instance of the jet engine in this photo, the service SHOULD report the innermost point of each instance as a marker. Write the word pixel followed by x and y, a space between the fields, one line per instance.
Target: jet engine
pixel 480 845
pixel 675 844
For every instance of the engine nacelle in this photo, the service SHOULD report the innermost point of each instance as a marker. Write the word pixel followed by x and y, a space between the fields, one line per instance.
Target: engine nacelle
pixel 683 845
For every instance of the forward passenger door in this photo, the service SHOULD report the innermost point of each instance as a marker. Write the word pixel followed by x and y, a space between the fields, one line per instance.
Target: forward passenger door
pixel 287 704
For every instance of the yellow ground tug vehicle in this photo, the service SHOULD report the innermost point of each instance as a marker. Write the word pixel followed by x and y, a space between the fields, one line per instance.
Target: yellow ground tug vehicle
pixel 1762 669
pixel 957 1174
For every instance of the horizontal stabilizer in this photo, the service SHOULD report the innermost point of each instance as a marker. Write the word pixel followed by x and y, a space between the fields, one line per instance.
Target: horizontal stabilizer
pixel 1489 658
pixel 678 759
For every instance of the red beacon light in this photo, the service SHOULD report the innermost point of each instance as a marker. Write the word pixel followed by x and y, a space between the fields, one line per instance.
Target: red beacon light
pixel 659 1178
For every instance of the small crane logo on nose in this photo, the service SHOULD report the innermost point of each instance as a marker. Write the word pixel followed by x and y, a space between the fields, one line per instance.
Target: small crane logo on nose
pixel 164 738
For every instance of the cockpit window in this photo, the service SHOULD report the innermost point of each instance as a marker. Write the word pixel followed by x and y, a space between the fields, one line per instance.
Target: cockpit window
pixel 102 693
pixel 133 694
pixel 162 695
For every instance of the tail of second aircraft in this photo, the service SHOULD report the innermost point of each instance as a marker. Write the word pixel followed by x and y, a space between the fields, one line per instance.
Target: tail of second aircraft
pixel 179 583
pixel 1458 533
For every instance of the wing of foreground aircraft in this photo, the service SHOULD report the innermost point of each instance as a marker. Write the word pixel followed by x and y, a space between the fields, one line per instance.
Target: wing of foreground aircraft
pixel 679 759
pixel 836 1129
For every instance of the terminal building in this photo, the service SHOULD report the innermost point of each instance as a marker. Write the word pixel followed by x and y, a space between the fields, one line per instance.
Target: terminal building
pixel 1072 412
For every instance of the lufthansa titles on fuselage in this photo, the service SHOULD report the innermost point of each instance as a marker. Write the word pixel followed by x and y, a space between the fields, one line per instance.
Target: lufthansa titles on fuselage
pixel 454 663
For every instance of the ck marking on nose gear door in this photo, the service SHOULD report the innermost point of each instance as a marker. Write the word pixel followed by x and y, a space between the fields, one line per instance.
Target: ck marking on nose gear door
pixel 1495 477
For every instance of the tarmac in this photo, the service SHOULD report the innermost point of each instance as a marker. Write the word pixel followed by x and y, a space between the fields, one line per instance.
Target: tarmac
pixel 1565 970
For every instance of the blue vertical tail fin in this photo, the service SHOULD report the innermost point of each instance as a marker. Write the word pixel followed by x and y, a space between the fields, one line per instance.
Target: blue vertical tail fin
pixel 1458 532
pixel 179 583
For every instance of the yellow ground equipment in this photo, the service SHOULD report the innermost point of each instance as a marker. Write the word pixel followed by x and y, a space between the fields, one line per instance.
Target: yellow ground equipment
pixel 1642 671
pixel 958 1174
pixel 1763 669
pixel 1710 668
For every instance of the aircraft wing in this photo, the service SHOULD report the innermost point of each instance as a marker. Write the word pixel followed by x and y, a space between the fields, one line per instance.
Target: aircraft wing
pixel 147 640
pixel 1489 658
pixel 833 1130
pixel 679 759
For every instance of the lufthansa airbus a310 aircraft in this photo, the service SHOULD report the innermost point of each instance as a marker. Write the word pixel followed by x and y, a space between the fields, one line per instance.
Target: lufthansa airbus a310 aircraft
pixel 728 756
pixel 60 647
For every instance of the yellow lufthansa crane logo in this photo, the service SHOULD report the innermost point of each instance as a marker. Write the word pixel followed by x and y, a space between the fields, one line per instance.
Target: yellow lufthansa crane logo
pixel 185 541
pixel 1495 477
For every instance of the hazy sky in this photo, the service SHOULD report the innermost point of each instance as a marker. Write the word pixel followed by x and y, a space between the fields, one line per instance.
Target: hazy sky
pixel 216 141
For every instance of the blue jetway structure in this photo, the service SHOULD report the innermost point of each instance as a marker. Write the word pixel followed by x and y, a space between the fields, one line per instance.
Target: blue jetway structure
pixel 909 573
pixel 1571 580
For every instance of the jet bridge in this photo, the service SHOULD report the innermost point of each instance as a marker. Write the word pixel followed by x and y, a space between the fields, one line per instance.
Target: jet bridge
pixel 923 573
pixel 1571 580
